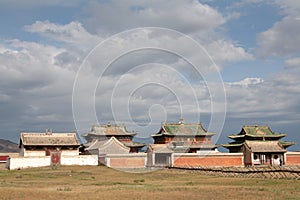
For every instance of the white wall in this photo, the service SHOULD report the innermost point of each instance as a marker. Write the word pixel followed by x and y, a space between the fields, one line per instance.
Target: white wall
pixel 70 152
pixel 43 161
pixel 35 153
pixel 26 162
pixel 79 160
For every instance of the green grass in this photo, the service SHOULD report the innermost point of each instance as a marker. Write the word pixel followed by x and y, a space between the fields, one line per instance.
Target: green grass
pixel 74 182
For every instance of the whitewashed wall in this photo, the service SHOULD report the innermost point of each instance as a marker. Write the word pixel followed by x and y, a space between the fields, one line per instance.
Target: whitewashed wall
pixel 43 161
pixel 35 153
pixel 70 152
pixel 26 162
pixel 79 160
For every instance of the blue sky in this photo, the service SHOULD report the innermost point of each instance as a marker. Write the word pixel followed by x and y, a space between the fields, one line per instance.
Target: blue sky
pixel 247 73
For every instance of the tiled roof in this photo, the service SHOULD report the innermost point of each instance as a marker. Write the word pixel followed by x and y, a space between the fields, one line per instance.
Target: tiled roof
pixel 286 144
pixel 160 148
pixel 265 146
pixel 256 131
pixel 133 144
pixel 109 130
pixel 182 128
pixel 49 139
pixel 233 144
pixel 111 146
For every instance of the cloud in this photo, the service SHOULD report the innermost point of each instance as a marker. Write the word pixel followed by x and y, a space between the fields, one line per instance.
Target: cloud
pixel 186 16
pixel 33 87
pixel 73 33
pixel 254 98
pixel 29 4
pixel 281 39
pixel 292 62
pixel 247 82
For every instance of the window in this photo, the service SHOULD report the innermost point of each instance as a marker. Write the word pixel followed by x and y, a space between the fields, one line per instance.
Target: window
pixel 255 157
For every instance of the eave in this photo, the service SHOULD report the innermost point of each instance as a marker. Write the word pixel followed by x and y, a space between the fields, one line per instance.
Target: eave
pixel 286 144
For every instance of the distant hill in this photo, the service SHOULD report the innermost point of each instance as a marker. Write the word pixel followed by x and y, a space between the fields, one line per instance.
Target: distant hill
pixel 7 146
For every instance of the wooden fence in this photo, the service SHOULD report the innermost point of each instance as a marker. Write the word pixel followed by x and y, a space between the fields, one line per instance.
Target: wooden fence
pixel 272 172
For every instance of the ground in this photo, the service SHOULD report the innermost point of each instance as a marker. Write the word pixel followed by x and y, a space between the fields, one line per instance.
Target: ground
pixel 99 182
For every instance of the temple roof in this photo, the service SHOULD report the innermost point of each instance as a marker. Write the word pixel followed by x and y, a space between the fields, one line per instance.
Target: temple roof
pixel 286 144
pixel 256 132
pixel 264 146
pixel 109 130
pixel 159 148
pixel 259 146
pixel 111 146
pixel 48 139
pixel 182 129
pixel 233 144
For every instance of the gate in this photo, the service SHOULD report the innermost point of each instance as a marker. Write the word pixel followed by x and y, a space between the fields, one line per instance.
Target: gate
pixel 55 158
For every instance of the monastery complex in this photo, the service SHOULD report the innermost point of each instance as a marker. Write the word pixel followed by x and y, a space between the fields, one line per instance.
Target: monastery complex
pixel 175 145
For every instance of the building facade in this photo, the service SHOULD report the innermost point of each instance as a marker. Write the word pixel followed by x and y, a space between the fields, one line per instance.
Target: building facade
pixel 45 149
pixel 260 146
pixel 107 131
pixel 48 143
pixel 183 137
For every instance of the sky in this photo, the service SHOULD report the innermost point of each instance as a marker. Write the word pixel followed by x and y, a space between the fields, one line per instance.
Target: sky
pixel 66 65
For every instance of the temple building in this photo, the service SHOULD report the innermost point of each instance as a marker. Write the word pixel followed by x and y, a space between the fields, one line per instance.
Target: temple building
pixel 183 137
pixel 260 146
pixel 40 149
pixel 100 133
pixel 48 143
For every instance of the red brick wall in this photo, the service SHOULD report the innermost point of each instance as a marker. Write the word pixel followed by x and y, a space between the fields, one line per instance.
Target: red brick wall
pixel 208 161
pixel 129 162
pixel 292 159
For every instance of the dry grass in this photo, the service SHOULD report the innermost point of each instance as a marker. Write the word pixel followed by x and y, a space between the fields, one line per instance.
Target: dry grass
pixel 103 183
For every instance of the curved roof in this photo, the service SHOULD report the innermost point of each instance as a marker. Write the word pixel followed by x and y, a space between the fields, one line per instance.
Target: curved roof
pixel 48 139
pixel 182 129
pixel 256 131
pixel 111 146
pixel 109 130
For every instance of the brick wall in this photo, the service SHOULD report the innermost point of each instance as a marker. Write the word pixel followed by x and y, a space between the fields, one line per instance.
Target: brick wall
pixel 292 158
pixel 212 160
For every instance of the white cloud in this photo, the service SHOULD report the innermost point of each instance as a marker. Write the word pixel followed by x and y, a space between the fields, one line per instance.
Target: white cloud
pixel 277 96
pixel 73 32
pixel 292 63
pixel 186 16
pixel 282 39
pixel 247 81
pixel 33 87
pixel 29 4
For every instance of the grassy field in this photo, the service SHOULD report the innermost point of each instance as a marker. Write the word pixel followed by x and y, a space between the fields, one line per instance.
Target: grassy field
pixel 103 183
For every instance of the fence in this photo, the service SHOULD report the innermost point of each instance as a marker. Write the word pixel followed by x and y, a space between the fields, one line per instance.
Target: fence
pixel 272 172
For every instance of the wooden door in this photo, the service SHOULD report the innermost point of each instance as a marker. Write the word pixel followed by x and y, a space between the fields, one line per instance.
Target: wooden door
pixel 55 158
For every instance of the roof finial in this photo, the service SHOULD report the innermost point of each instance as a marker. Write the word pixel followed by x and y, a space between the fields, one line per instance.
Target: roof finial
pixel 181 120
pixel 48 131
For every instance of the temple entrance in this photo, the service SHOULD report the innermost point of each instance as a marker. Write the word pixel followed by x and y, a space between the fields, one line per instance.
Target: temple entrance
pixel 163 159
pixel 55 158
